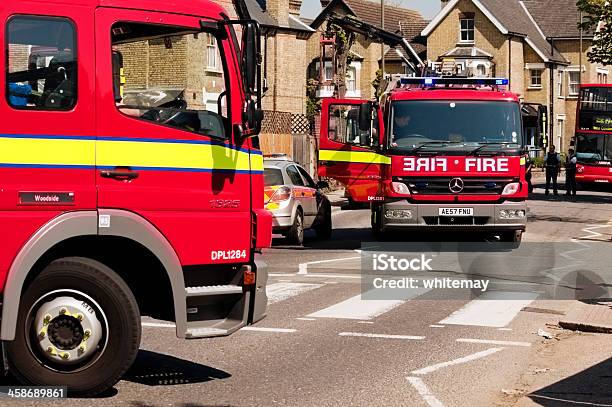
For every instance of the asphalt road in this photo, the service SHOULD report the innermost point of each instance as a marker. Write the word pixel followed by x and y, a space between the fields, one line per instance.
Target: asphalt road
pixel 323 346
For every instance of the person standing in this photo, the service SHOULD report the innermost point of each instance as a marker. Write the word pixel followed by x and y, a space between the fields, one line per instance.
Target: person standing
pixel 570 172
pixel 553 164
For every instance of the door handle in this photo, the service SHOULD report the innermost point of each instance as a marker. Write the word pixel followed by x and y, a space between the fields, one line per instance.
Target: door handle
pixel 119 174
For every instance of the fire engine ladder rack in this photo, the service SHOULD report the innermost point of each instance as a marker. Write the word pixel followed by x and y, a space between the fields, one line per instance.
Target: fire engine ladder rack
pixel 216 310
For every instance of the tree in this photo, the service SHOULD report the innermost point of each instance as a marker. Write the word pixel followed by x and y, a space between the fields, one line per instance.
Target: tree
pixel 598 18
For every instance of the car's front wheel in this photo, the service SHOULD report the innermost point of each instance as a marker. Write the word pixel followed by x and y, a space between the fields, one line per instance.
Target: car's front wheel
pixel 78 326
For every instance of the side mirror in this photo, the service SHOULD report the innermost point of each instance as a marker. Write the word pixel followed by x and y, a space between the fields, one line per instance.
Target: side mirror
pixel 322 185
pixel 365 116
pixel 250 56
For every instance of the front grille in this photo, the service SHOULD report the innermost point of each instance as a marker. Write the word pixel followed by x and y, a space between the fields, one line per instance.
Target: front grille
pixel 440 185
pixel 456 221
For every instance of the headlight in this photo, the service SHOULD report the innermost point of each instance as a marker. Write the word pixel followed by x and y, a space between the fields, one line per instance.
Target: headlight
pixel 400 188
pixel 511 189
pixel 398 214
pixel 512 214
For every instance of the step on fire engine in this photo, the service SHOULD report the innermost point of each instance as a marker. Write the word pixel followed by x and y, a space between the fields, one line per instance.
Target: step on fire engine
pixel 131 182
pixel 437 153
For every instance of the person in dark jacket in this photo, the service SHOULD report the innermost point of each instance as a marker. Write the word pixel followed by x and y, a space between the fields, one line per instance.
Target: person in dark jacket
pixel 570 172
pixel 553 165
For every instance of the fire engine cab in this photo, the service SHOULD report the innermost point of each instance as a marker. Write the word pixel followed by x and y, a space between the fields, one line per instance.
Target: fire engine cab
pixel 131 182
pixel 436 153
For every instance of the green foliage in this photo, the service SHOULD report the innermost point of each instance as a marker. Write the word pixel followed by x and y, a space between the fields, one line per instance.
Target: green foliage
pixel 598 14
pixel 376 82
pixel 313 104
pixel 537 162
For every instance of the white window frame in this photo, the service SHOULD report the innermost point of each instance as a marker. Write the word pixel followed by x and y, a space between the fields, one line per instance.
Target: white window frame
pixel 560 130
pixel 602 76
pixel 212 46
pixel 532 76
pixel 560 80
pixel 571 83
pixel 467 30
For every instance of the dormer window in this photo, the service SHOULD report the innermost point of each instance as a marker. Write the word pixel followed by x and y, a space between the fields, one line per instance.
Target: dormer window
pixel 466 28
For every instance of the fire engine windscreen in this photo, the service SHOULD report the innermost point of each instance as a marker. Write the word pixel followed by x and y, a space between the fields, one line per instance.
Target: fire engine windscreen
pixel 172 76
pixel 457 125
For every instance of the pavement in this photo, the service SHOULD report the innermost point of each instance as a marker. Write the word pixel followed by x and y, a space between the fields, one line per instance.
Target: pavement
pixel 323 345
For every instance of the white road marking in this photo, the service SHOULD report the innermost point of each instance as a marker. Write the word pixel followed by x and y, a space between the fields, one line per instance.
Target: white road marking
pixel 306 319
pixel 493 342
pixel 261 329
pixel 436 326
pixel 323 275
pixel 358 308
pixel 350 276
pixel 365 322
pixel 504 329
pixel 157 325
pixel 457 361
pixel 281 291
pixel 303 267
pixel 367 335
pixel 246 328
pixel 424 392
pixel 494 309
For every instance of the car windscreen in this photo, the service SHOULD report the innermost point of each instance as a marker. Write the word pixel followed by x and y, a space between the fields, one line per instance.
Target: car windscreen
pixel 273 176
pixel 449 124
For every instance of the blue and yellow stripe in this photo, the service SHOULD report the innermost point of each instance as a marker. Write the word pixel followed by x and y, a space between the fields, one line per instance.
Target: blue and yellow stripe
pixel 52 151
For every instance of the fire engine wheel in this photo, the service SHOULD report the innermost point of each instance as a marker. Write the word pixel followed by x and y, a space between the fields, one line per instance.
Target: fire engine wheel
pixel 296 233
pixel 324 226
pixel 515 236
pixel 376 222
pixel 78 326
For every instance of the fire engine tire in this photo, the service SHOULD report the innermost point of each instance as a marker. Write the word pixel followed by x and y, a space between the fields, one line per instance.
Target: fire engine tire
pixel 515 236
pixel 324 225
pixel 106 297
pixel 377 231
pixel 296 233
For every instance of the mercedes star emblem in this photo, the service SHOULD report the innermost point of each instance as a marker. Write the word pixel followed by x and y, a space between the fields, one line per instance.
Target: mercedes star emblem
pixel 456 185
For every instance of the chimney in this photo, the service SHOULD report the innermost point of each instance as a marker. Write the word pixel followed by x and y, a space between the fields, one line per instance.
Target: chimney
pixel 279 11
pixel 294 7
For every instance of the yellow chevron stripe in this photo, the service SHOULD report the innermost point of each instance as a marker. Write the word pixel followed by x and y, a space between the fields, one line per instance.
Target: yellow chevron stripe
pixel 105 153
pixel 170 155
pixel 47 151
pixel 353 157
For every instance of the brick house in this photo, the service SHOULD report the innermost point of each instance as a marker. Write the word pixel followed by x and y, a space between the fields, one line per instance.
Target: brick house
pixel 534 43
pixel 365 52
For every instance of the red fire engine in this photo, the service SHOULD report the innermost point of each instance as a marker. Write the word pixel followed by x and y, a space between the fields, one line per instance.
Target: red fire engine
pixel 434 154
pixel 131 183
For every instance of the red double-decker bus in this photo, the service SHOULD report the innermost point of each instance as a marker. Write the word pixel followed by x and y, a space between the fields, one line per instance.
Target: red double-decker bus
pixel 594 134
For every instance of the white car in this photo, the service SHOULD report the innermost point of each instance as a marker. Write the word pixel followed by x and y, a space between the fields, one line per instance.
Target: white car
pixel 295 200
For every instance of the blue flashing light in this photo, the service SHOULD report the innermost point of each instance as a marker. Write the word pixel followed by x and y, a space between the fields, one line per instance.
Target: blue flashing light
pixel 454 81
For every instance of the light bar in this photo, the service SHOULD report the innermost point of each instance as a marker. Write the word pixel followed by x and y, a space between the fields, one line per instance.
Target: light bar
pixel 454 81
